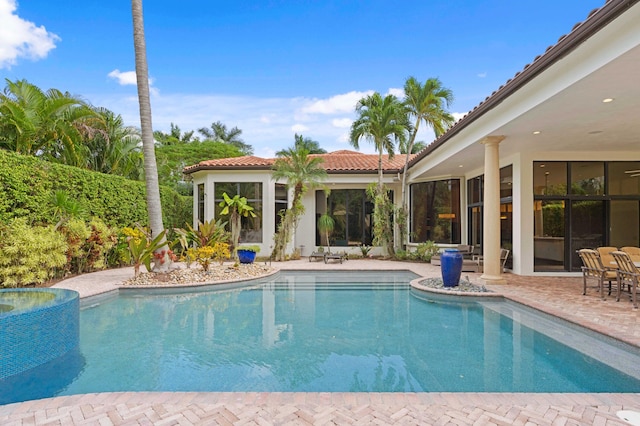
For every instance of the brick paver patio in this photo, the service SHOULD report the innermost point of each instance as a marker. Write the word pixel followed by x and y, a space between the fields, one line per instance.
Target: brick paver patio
pixel 561 297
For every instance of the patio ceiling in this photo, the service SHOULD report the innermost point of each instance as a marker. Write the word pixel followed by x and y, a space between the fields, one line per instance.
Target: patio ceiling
pixel 572 119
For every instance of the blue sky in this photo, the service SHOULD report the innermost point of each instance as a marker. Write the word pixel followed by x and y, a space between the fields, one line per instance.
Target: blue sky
pixel 276 67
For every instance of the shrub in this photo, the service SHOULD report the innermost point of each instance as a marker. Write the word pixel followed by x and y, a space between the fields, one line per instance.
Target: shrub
pixel 425 251
pixel 26 185
pixel 29 255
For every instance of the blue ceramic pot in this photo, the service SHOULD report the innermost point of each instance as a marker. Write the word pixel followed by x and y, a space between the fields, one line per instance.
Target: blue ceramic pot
pixel 246 256
pixel 451 267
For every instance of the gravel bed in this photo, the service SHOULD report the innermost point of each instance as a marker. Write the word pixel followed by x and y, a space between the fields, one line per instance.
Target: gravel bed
pixel 195 274
pixel 464 285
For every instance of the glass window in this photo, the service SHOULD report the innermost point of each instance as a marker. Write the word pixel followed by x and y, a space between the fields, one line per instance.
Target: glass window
pixel 548 240
pixel 352 213
pixel 474 189
pixel 435 212
pixel 550 178
pixel 506 182
pixel 281 201
pixel 624 178
pixel 251 230
pixel 624 230
pixel 201 202
pixel 587 178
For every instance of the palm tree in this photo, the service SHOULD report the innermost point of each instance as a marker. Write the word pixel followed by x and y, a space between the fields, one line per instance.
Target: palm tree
pixel 309 144
pixel 219 133
pixel 425 102
pixel 113 147
pixel 384 122
pixel 47 124
pixel 154 207
pixel 302 172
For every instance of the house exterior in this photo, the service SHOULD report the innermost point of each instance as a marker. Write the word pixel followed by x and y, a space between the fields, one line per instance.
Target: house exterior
pixel 549 163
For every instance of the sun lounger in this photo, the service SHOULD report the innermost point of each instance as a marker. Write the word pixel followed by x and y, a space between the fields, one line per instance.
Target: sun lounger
pixel 317 255
pixel 335 256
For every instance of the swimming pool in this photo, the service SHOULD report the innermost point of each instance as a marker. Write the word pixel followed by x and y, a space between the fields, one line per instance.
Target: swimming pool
pixel 347 332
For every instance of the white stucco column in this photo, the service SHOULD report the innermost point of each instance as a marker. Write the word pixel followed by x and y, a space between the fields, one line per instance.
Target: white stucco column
pixel 491 216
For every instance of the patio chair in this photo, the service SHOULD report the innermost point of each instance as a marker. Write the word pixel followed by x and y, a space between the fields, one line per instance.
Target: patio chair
pixel 479 260
pixel 592 268
pixel 318 254
pixel 628 273
pixel 336 256
pixel 633 252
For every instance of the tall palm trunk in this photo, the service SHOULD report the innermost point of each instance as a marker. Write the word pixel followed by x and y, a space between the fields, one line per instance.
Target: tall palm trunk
pixel 154 208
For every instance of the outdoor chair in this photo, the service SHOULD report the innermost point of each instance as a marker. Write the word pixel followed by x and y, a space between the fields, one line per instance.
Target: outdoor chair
pixel 479 260
pixel 628 273
pixel 592 268
pixel 318 254
pixel 633 252
pixel 336 256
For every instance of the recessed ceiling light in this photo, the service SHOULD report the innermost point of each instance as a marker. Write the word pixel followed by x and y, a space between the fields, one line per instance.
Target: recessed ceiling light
pixel 542 165
pixel 607 100
pixel 460 165
pixel 537 132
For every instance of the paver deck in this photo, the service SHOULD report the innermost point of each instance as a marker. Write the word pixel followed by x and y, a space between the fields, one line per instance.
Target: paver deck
pixel 561 297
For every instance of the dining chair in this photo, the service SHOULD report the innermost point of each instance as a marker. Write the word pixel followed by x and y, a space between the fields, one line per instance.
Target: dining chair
pixel 592 268
pixel 628 273
pixel 607 260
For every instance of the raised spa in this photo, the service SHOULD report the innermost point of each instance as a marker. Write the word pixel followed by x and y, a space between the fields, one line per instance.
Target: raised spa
pixel 36 326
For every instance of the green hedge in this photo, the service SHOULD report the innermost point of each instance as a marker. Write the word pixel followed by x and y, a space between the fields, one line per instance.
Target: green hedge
pixel 27 185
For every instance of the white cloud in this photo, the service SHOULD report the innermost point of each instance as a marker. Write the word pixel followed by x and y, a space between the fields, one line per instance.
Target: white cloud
pixel 126 78
pixel 458 115
pixel 482 74
pixel 396 92
pixel 20 38
pixel 129 78
pixel 268 124
pixel 341 123
pixel 336 104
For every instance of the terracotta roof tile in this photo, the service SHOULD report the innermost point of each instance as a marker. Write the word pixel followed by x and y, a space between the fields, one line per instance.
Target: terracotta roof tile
pixel 337 161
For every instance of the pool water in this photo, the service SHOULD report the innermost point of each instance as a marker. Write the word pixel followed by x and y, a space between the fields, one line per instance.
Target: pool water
pixel 341 332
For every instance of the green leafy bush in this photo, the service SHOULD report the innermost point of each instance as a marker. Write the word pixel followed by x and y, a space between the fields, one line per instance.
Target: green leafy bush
pixel 425 251
pixel 29 255
pixel 27 184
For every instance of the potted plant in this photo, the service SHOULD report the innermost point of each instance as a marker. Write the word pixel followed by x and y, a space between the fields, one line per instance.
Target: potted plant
pixel 247 254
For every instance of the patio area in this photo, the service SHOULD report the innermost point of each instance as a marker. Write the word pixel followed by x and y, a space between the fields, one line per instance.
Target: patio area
pixel 561 297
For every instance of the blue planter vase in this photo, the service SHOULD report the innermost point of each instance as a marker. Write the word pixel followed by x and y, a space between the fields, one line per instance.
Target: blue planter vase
pixel 451 267
pixel 246 256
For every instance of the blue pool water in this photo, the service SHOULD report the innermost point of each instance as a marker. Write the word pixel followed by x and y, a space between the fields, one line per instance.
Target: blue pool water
pixel 346 332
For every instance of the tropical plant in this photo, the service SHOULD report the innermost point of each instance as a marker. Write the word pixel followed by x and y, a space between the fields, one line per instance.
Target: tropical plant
pixel 154 207
pixel 207 233
pixel 424 103
pixel 142 249
pixel 219 133
pixel 46 124
pixel 174 137
pixel 325 226
pixel 425 251
pixel 65 208
pixel 113 148
pixel 237 208
pixel 365 249
pixel 253 248
pixel 307 143
pixel 384 122
pixel 29 254
pixel 301 172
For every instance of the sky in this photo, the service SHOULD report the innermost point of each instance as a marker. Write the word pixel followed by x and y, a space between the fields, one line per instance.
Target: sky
pixel 275 68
